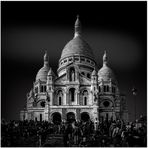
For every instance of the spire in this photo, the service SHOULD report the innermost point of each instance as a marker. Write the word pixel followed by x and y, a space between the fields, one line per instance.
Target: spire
pixel 105 59
pixel 77 27
pixel 45 58
pixel 50 72
pixel 94 72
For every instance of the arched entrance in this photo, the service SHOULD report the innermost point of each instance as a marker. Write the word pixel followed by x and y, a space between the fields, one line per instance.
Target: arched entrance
pixel 70 117
pixel 85 116
pixel 56 118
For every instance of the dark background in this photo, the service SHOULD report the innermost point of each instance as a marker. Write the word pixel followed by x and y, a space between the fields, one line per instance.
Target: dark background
pixel 30 27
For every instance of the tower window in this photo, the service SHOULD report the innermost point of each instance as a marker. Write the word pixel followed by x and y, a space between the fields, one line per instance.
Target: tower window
pixel 65 61
pixel 76 59
pixel 107 87
pixel 88 61
pixel 82 59
pixel 104 88
pixel 99 89
pixel 45 88
pixel 42 88
pixel 70 59
pixel 113 89
pixel 36 90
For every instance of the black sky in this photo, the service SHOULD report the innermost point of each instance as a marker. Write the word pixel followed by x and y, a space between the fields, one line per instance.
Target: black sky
pixel 30 27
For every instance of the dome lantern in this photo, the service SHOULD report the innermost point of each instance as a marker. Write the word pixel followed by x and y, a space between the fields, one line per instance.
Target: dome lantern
pixel 77 27
pixel 45 58
pixel 105 59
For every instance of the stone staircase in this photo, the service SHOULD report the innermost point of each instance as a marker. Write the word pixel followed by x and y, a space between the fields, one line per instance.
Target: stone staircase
pixel 54 140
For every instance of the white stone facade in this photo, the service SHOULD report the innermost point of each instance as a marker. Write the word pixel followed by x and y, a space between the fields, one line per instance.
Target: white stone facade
pixel 80 88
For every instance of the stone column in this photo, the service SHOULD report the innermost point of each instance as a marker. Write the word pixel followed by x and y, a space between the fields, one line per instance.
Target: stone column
pixel 67 98
pixel 63 114
pixel 78 114
pixel 78 97
pixel 64 99
pixel 51 99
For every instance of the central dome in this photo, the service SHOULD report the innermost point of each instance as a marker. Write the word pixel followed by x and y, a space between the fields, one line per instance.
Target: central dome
pixel 77 46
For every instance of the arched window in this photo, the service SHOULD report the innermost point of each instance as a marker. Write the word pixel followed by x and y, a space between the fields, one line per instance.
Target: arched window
pixel 72 74
pixel 107 88
pixel 72 94
pixel 36 89
pixel 113 89
pixel 104 88
pixel 42 88
pixel 60 101
pixel 85 100
pixel 88 75
pixel 60 95
pixel 83 73
pixel 85 96
pixel 99 89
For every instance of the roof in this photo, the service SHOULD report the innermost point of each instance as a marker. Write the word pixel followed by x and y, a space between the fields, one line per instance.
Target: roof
pixel 77 46
pixel 42 73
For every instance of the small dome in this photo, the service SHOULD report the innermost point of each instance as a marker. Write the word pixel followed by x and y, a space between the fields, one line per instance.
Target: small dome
pixel 42 73
pixel 106 74
pixel 77 46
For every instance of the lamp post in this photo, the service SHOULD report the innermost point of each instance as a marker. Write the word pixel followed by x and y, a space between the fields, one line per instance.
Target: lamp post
pixel 134 91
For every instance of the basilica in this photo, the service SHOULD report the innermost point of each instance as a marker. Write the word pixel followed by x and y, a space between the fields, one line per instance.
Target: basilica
pixel 80 90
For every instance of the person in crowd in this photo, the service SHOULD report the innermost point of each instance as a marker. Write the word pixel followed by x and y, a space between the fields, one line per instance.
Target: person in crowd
pixel 75 133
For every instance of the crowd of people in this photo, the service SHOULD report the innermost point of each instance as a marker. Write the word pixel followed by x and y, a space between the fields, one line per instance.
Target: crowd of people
pixel 108 133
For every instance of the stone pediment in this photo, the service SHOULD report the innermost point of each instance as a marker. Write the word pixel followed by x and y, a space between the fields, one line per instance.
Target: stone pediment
pixel 61 79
